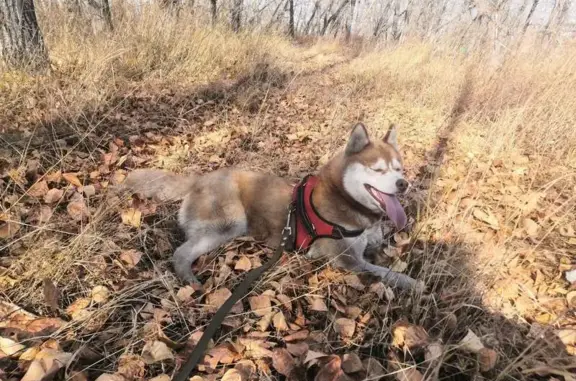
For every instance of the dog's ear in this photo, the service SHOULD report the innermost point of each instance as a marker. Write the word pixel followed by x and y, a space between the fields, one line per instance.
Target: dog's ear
pixel 392 137
pixel 358 139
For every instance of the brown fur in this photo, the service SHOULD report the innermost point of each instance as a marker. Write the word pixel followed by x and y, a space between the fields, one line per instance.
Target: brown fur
pixel 221 205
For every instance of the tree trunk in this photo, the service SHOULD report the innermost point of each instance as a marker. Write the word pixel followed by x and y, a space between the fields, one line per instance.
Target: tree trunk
pixel 236 15
pixel 291 26
pixel 350 24
pixel 529 17
pixel 214 11
pixel 101 8
pixel 21 42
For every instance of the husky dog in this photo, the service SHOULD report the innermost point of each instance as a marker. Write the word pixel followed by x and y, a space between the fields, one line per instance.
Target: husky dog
pixel 356 189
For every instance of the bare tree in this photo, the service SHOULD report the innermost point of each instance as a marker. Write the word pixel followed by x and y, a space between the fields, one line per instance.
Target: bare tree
pixel 101 13
pixel 291 31
pixel 236 15
pixel 214 11
pixel 328 21
pixel 21 42
pixel 529 17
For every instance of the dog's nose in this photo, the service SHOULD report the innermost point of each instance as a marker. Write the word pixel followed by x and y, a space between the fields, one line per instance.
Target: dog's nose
pixel 402 185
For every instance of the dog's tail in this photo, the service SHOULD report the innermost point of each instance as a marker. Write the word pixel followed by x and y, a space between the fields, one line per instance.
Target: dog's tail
pixel 158 184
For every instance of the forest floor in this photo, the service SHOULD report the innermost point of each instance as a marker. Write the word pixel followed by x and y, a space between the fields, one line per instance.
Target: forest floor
pixel 87 289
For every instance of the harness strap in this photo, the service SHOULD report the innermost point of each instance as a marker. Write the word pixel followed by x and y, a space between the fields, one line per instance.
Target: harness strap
pixel 310 225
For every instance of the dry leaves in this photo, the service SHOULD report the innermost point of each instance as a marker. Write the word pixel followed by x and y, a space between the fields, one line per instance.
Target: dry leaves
pixel 215 299
pixel 156 351
pixel 131 217
pixel 46 363
pixel 260 305
pixel 72 178
pixel 53 195
pixel 77 208
pixel 243 264
pixel 487 217
pixel 130 258
pixel 282 361
pixel 9 226
pixel 408 336
pixel 344 327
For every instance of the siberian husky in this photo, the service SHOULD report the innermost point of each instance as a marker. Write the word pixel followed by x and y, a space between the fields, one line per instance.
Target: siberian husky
pixel 355 190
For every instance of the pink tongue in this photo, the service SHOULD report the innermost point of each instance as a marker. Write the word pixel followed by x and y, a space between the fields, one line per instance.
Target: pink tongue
pixel 393 209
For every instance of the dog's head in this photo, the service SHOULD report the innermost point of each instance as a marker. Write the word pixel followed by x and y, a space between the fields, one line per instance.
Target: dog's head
pixel 373 173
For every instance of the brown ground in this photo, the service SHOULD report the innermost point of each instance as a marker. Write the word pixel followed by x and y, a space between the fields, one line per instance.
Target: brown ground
pixel 493 233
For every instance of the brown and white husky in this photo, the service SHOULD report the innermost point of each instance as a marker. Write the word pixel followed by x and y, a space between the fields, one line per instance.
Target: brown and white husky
pixel 356 189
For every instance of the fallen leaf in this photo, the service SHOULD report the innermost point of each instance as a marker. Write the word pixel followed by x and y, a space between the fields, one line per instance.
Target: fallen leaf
pixel 27 322
pixel 354 281
pixel 156 351
pixel 131 366
pixel 297 349
pixel 264 323
pixel 38 189
pixel 53 177
pixel 486 217
pixel 9 347
pixel 351 363
pixel 51 294
pixel 408 336
pixel 344 327
pixel 243 264
pixel 185 293
pixel 72 178
pixel 285 300
pixel 567 336
pixel 300 335
pixel 254 349
pixel 77 208
pixel 279 322
pixel 53 195
pixel 530 227
pixel 282 361
pixel 131 217
pixel 9 226
pixel 399 266
pixel 233 375
pixel 215 299
pixel 130 258
pixel 331 369
pixel 247 368
pixel 88 190
pixel 78 309
pixel 46 363
pixel 318 304
pixel 100 294
pixel 260 305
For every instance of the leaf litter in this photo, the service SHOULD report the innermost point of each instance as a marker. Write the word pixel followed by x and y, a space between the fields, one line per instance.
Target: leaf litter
pixel 328 324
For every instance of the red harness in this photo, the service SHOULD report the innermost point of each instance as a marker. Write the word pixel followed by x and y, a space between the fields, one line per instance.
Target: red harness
pixel 307 224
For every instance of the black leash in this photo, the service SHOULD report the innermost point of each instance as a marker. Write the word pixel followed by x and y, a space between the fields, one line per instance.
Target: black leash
pixel 239 292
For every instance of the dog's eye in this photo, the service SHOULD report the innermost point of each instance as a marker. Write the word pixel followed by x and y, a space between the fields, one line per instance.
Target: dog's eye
pixel 379 170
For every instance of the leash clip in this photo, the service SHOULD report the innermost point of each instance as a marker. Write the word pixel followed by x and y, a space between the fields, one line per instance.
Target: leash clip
pixel 287 231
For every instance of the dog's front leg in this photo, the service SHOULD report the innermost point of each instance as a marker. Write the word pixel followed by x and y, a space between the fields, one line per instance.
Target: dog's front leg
pixel 352 258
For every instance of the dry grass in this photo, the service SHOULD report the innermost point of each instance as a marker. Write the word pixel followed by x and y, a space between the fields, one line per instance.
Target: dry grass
pixel 476 139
